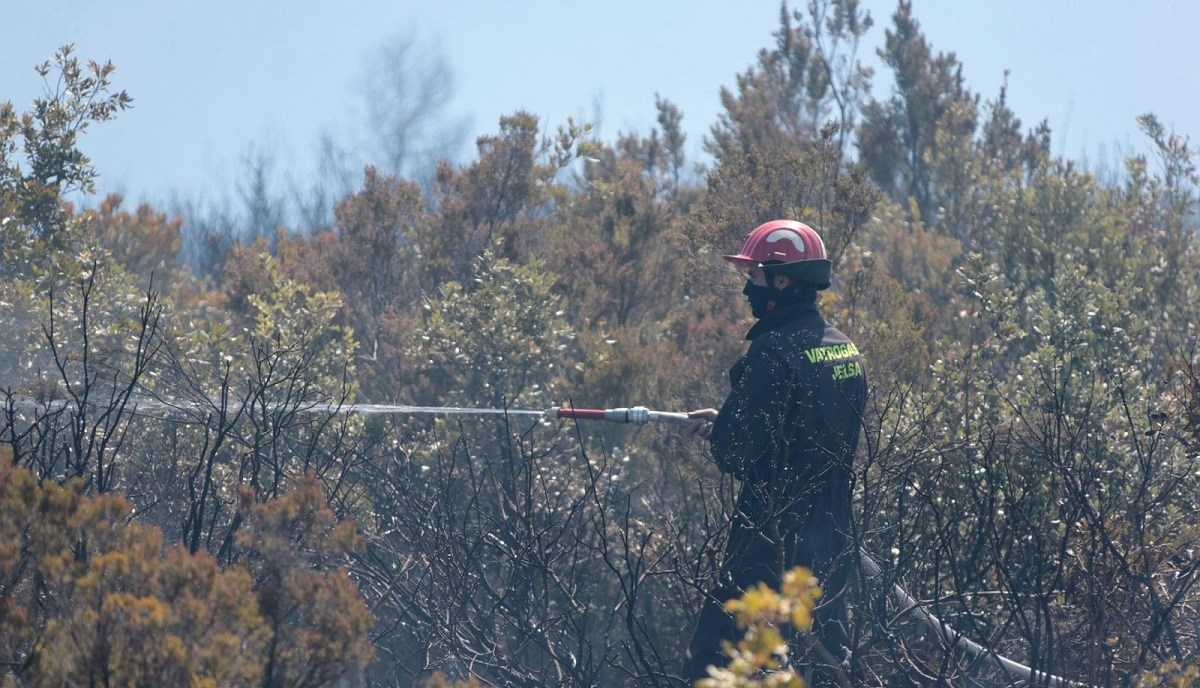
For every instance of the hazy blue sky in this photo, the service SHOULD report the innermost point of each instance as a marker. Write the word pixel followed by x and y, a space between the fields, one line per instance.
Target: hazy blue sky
pixel 210 78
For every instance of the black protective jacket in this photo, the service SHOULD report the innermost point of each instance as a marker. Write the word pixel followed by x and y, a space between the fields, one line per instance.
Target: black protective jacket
pixel 790 425
pixel 788 430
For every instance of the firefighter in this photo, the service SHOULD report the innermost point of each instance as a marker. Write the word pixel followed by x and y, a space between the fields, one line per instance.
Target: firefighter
pixel 788 432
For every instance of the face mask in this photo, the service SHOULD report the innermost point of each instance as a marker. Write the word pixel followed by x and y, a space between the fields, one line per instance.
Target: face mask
pixel 760 298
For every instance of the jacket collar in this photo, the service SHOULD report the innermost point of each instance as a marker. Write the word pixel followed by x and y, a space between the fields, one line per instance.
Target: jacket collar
pixel 780 317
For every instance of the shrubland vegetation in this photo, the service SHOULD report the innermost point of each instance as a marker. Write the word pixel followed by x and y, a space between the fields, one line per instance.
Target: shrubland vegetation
pixel 1030 461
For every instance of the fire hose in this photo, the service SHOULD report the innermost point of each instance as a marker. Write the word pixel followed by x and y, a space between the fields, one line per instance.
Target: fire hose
pixel 1015 671
pixel 636 415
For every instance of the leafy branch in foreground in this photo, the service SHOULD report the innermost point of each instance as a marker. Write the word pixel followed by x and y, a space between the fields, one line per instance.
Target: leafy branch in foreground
pixel 760 658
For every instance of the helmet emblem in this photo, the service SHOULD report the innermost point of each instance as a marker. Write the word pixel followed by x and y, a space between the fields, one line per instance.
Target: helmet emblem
pixel 786 235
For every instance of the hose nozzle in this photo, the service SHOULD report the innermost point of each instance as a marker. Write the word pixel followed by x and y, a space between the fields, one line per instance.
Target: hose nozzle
pixel 638 415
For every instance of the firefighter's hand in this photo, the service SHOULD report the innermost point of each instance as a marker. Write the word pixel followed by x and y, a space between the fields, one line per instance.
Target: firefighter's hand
pixel 709 416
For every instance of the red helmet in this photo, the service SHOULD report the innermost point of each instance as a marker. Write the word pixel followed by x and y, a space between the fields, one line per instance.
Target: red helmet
pixel 786 242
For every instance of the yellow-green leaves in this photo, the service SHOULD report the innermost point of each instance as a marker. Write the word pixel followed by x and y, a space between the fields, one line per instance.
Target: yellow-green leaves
pixel 756 660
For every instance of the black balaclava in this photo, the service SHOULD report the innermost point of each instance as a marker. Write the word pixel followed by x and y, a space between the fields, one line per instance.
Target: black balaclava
pixel 766 300
pixel 760 298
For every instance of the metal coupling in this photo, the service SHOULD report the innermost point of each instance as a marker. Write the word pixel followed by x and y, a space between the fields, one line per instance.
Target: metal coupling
pixel 636 414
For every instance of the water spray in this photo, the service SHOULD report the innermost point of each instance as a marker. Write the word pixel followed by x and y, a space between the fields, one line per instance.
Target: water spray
pixel 636 415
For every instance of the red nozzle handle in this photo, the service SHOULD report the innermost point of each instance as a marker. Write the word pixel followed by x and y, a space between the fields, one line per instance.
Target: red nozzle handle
pixel 579 414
